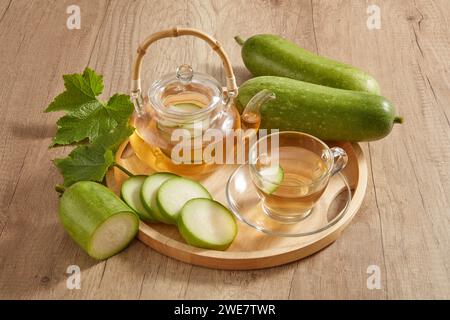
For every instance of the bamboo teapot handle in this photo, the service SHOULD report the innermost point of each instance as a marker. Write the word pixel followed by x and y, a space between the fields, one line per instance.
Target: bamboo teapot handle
pixel 136 92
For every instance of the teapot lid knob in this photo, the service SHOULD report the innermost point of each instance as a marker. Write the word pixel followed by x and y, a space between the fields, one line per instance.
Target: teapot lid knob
pixel 185 73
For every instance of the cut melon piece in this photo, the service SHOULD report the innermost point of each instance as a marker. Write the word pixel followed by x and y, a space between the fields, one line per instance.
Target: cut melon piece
pixel 175 192
pixel 131 194
pixel 149 190
pixel 206 223
pixel 96 219
pixel 271 178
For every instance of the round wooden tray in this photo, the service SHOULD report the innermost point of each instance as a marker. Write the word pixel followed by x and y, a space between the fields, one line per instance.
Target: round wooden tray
pixel 251 249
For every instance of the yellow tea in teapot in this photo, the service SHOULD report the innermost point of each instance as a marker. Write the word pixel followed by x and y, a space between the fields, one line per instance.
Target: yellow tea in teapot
pixel 156 135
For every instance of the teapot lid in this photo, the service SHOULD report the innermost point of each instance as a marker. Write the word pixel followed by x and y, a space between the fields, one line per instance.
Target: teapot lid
pixel 185 86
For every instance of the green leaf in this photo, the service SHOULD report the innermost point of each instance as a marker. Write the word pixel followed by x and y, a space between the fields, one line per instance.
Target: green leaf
pixel 81 89
pixel 87 117
pixel 104 125
pixel 91 162
pixel 85 163
pixel 114 138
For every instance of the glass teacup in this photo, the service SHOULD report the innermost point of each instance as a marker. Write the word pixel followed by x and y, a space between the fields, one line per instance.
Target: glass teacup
pixel 291 171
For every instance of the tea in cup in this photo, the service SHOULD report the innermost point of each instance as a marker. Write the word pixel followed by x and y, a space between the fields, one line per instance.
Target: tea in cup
pixel 291 171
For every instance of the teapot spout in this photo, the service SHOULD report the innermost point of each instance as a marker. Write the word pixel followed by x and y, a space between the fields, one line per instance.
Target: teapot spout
pixel 251 116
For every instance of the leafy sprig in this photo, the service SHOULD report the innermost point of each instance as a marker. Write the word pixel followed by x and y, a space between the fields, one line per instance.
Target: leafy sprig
pixel 102 125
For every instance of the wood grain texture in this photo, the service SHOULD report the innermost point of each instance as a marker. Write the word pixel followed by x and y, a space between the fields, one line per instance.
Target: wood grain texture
pixel 403 225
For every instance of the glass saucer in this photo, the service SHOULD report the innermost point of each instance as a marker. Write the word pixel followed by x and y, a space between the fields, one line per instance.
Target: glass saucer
pixel 247 206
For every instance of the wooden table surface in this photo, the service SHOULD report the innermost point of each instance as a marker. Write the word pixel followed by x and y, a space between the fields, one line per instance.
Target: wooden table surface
pixel 403 225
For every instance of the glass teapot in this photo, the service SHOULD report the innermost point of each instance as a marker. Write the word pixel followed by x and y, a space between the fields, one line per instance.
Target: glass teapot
pixel 188 113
